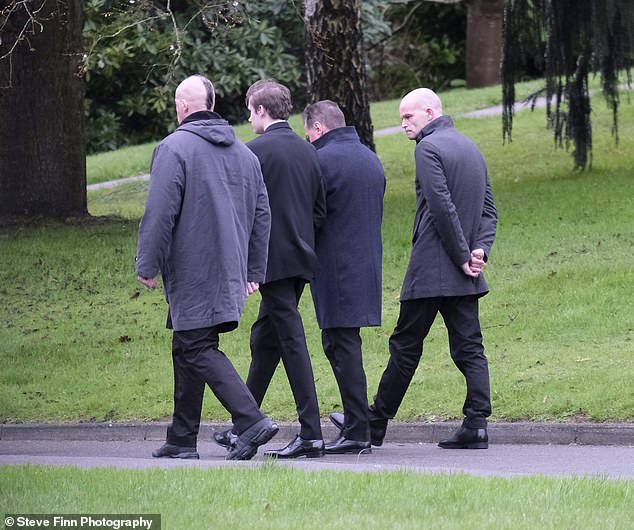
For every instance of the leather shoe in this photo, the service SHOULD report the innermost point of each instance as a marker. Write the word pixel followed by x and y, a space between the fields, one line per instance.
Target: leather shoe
pixel 175 451
pixel 378 427
pixel 299 447
pixel 342 445
pixel 337 419
pixel 225 439
pixel 466 438
pixel 248 442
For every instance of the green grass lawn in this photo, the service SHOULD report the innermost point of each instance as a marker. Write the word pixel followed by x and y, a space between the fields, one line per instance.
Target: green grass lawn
pixel 135 160
pixel 276 497
pixel 81 340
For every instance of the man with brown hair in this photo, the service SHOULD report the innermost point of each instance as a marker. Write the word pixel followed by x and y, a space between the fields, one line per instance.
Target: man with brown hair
pixel 296 198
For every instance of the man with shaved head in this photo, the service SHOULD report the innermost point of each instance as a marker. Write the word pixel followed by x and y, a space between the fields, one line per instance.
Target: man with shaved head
pixel 206 230
pixel 454 229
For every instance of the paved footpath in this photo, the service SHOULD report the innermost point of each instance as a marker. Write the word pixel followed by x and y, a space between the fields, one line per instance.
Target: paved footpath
pixel 386 131
pixel 521 449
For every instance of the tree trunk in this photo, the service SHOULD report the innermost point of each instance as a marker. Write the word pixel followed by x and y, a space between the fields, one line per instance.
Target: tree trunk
pixel 42 151
pixel 484 42
pixel 335 65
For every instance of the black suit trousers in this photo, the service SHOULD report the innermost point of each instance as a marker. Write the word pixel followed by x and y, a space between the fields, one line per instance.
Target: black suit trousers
pixel 460 314
pixel 197 360
pixel 278 333
pixel 342 347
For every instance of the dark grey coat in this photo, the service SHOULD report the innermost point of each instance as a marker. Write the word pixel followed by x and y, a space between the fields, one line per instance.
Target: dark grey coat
pixel 455 214
pixel 347 288
pixel 206 223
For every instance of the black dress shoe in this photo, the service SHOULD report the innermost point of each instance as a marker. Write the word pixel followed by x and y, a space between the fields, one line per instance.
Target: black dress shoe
pixel 248 442
pixel 225 439
pixel 467 439
pixel 337 419
pixel 299 447
pixel 342 445
pixel 175 451
pixel 378 427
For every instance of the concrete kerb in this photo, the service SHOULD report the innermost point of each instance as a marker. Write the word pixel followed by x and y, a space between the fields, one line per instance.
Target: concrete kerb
pixel 398 432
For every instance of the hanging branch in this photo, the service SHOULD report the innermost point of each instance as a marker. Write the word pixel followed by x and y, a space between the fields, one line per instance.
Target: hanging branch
pixel 578 37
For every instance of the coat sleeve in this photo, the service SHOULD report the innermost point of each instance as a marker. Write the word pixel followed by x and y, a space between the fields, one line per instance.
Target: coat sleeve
pixel 433 182
pixel 488 223
pixel 167 183
pixel 259 240
pixel 319 208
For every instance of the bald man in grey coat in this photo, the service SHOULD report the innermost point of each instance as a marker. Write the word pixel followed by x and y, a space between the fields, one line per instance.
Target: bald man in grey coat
pixel 454 229
pixel 206 230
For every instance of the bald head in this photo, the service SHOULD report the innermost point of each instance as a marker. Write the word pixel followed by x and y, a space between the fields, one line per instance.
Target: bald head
pixel 194 94
pixel 418 108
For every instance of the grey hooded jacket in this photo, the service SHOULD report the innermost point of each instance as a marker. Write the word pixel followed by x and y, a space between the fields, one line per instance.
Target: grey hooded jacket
pixel 206 223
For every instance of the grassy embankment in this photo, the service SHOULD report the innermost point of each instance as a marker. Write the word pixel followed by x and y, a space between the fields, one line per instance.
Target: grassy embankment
pixel 81 340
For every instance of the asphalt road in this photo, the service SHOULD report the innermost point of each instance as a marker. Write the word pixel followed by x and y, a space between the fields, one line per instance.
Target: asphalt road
pixel 508 460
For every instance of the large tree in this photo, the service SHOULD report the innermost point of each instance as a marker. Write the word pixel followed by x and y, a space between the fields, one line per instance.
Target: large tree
pixel 575 38
pixel 335 65
pixel 484 42
pixel 42 155
pixel 42 64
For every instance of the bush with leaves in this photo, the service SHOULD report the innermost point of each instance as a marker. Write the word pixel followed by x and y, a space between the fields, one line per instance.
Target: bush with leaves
pixel 425 46
pixel 138 52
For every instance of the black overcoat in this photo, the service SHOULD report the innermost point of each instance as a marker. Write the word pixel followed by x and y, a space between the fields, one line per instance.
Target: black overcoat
pixel 296 199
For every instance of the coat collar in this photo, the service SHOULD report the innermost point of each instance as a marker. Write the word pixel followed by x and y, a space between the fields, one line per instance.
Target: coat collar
pixel 201 115
pixel 334 135
pixel 276 126
pixel 442 122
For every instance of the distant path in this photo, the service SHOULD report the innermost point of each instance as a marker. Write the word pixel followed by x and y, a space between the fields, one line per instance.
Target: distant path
pixel 496 110
pixel 113 183
pixel 481 113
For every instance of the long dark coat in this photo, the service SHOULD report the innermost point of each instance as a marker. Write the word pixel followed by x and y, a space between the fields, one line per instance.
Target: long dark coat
pixel 206 223
pixel 347 289
pixel 455 214
pixel 296 198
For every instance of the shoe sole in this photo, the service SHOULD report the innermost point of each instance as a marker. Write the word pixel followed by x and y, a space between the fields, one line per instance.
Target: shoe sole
pixel 251 448
pixel 356 451
pixel 478 445
pixel 311 454
pixel 335 422
pixel 182 456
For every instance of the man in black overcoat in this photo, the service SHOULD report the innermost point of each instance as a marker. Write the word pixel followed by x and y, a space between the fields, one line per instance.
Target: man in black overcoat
pixel 454 229
pixel 347 288
pixel 297 202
